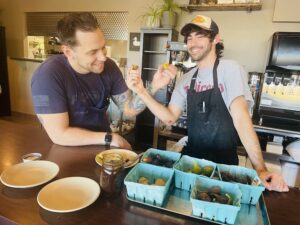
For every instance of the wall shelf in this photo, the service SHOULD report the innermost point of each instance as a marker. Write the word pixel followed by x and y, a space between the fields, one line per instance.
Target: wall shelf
pixel 152 53
pixel 155 52
pixel 223 7
pixel 149 68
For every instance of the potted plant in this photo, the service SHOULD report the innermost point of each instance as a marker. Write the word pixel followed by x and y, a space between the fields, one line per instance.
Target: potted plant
pixel 152 17
pixel 169 10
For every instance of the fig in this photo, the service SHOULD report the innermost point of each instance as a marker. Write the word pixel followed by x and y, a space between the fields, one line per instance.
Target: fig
pixel 196 168
pixel 204 196
pixel 160 182
pixel 215 190
pixel 155 161
pixel 242 180
pixel 207 170
pixel 223 199
pixel 169 164
pixel 226 176
pixel 158 160
pixel 249 180
pixel 158 156
pixel 147 159
pixel 162 162
pixel 143 180
pixel 187 170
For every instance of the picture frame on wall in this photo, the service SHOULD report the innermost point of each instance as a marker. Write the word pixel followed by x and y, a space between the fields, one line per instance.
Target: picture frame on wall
pixel 134 41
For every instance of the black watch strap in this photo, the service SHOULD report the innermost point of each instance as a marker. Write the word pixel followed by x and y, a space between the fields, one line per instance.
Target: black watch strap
pixel 108 138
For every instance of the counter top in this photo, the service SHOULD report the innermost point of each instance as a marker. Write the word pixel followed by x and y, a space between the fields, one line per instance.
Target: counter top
pixel 278 131
pixel 258 128
pixel 20 205
pixel 38 60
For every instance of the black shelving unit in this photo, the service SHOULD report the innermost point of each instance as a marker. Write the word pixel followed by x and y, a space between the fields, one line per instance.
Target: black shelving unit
pixel 153 53
pixel 4 86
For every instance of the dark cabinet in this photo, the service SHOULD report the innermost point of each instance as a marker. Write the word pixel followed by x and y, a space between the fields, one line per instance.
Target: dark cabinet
pixel 4 87
pixel 153 53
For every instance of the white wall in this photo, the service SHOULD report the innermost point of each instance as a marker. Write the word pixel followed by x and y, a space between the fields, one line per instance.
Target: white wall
pixel 14 16
pixel 245 35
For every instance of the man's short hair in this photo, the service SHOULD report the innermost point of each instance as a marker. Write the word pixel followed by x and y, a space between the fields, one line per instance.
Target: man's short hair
pixel 68 25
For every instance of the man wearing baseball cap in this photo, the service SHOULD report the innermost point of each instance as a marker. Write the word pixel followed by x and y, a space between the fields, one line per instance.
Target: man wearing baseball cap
pixel 218 99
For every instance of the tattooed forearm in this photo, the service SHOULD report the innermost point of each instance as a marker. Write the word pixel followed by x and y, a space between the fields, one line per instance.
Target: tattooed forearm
pixel 130 103
pixel 136 103
pixel 121 99
pixel 150 89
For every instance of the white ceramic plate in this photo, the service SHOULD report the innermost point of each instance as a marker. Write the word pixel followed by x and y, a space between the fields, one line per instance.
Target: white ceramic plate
pixel 68 194
pixel 126 154
pixel 29 174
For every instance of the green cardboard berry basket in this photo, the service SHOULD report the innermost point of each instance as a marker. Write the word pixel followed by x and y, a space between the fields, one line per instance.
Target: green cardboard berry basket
pixel 223 213
pixel 250 193
pixel 150 194
pixel 184 177
pixel 166 155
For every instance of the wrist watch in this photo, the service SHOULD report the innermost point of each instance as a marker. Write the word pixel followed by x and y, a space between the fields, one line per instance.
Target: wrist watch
pixel 108 138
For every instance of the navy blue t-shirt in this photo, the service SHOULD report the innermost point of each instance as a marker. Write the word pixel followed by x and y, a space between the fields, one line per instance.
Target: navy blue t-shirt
pixel 57 88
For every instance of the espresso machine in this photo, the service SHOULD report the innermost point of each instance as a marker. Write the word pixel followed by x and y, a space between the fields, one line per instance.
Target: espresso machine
pixel 180 58
pixel 255 83
pixel 279 104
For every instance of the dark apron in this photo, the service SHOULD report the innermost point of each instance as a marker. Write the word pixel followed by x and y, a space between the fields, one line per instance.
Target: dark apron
pixel 211 133
pixel 88 112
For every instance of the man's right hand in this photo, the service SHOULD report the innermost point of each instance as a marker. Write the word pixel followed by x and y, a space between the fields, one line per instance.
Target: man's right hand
pixel 134 81
pixel 119 141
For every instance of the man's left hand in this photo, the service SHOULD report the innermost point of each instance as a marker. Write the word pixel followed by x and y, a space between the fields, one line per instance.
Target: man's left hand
pixel 273 181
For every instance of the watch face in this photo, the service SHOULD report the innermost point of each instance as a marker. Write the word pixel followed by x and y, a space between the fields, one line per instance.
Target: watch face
pixel 108 138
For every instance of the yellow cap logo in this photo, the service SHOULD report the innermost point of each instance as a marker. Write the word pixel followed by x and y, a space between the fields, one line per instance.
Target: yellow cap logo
pixel 198 19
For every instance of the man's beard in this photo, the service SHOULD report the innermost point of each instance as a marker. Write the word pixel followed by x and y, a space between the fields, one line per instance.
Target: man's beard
pixel 201 56
pixel 98 68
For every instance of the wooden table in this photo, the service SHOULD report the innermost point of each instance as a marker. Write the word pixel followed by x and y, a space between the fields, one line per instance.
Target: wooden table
pixel 20 205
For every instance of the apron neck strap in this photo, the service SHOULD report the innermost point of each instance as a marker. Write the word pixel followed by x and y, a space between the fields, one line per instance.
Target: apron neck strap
pixel 192 85
pixel 215 76
pixel 215 73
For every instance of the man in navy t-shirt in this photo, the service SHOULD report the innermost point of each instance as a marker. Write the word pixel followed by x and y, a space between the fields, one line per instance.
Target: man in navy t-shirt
pixel 71 91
